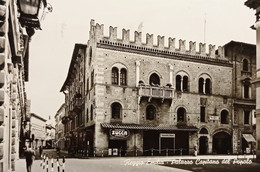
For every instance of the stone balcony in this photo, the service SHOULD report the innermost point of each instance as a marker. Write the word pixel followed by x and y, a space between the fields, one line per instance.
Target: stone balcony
pixel 155 92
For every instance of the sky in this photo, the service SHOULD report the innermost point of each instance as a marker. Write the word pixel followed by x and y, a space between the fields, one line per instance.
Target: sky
pixel 215 22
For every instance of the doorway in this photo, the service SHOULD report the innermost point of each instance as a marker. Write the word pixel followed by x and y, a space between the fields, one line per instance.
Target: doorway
pixel 118 147
pixel 222 143
pixel 203 145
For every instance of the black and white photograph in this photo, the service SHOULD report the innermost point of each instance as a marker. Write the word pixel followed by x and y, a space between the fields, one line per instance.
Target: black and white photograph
pixel 129 85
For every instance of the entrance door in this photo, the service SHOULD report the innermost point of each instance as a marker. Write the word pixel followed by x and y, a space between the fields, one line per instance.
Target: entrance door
pixel 167 146
pixel 118 147
pixel 203 143
pixel 222 143
pixel 151 143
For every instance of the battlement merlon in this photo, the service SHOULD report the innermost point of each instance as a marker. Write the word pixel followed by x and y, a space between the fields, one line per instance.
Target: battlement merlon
pixel 97 30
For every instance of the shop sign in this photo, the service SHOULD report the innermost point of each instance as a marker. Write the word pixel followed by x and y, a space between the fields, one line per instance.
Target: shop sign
pixel 120 133
pixel 167 135
pixel 214 118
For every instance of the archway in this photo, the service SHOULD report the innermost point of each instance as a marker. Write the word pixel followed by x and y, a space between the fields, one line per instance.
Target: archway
pixel 222 143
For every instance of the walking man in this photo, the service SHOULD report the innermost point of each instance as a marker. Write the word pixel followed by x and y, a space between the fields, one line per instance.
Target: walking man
pixel 40 150
pixel 29 156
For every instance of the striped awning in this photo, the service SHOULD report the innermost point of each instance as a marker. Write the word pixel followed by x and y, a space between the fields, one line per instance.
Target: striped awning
pixel 148 127
pixel 249 138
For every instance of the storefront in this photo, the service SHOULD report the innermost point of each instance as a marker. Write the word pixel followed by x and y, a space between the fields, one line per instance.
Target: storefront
pixel 149 140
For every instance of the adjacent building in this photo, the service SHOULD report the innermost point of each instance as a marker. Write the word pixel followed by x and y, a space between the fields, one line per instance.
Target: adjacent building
pixel 128 97
pixel 37 131
pixel 243 57
pixel 13 75
pixel 60 128
pixel 255 4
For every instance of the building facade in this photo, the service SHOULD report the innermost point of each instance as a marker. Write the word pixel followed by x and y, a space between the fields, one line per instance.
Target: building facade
pixel 13 75
pixel 255 4
pixel 59 128
pixel 133 97
pixel 37 131
pixel 243 57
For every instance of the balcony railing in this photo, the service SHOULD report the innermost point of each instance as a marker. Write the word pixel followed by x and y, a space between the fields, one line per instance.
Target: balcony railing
pixel 156 92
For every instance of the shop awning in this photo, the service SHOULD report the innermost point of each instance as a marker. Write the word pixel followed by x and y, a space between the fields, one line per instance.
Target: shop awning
pixel 148 127
pixel 249 138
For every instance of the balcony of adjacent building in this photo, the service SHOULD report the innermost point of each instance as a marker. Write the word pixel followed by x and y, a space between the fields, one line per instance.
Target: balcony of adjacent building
pixel 77 103
pixel 65 119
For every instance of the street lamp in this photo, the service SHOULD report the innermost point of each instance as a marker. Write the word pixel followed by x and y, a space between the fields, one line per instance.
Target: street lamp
pixel 29 12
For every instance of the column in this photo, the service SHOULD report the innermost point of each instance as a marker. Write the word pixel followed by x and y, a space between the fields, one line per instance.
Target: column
pixel 171 73
pixel 119 76
pixel 181 84
pixel 257 85
pixel 204 87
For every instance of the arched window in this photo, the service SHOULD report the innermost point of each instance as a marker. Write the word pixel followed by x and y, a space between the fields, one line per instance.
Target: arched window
pixel 87 116
pixel 185 83
pixel 245 65
pixel 150 112
pixel 123 77
pixel 181 115
pixel 90 55
pixel 224 117
pixel 116 110
pixel 154 79
pixel 91 113
pixel 114 76
pixel 204 131
pixel 208 86
pixel 201 83
pixel 178 83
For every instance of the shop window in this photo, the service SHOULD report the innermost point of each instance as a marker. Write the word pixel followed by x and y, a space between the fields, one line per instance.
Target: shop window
pixel 246 116
pixel 185 83
pixel 224 117
pixel 150 112
pixel 154 80
pixel 116 110
pixel 178 83
pixel 123 77
pixel 245 65
pixel 202 114
pixel 115 76
pixel 181 113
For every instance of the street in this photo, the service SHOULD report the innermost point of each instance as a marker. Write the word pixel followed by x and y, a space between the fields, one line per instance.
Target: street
pixel 101 165
pixel 126 164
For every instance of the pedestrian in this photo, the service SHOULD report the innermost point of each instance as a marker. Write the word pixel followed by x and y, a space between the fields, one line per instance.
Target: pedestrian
pixel 195 150
pixel 29 157
pixel 40 150
pixel 58 150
